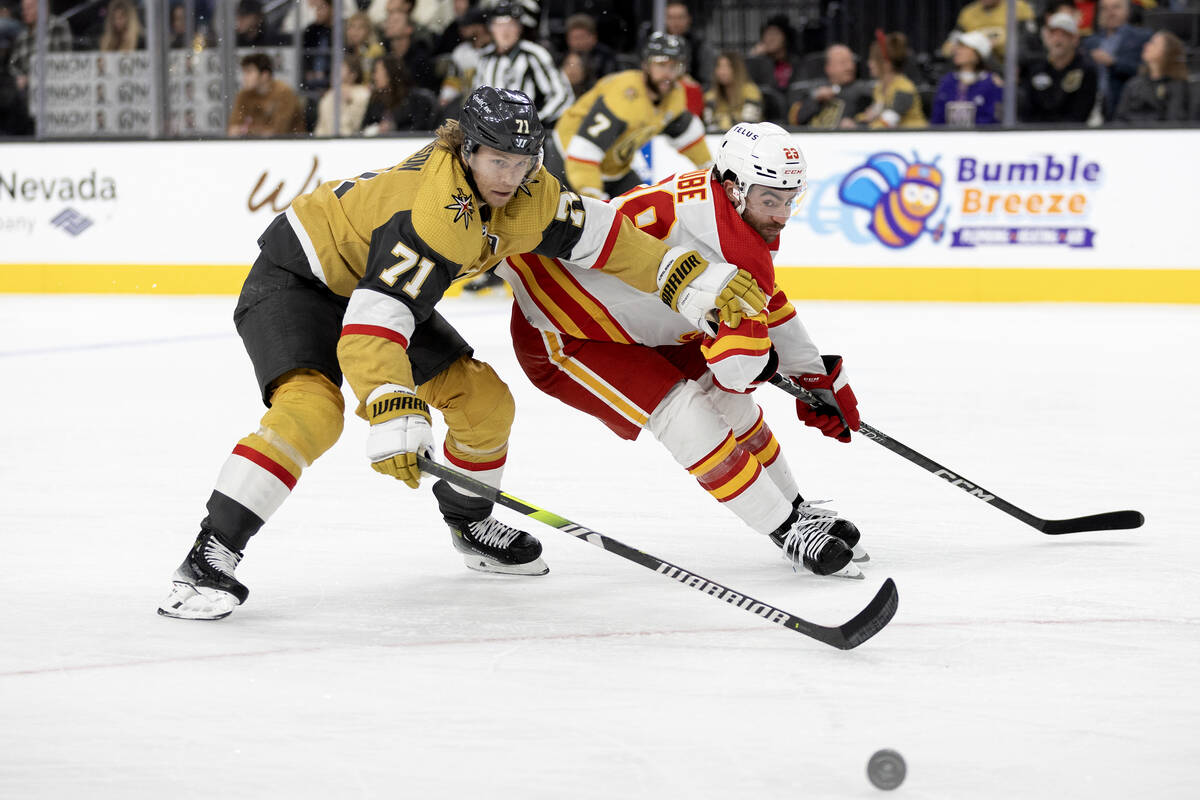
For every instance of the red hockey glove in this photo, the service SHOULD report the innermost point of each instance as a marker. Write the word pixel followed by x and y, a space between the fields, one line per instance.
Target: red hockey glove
pixel 837 413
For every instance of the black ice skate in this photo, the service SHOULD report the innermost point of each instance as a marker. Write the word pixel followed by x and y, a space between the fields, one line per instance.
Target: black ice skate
pixel 491 546
pixel 204 586
pixel 813 538
pixel 847 532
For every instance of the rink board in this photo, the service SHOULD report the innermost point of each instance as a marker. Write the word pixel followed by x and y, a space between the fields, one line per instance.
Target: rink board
pixel 1089 216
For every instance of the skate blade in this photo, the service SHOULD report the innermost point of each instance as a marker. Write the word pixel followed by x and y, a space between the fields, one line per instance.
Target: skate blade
pixel 850 571
pixel 189 602
pixel 860 554
pixel 482 564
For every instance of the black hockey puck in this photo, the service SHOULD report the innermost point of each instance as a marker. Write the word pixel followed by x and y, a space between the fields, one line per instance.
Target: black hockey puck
pixel 886 769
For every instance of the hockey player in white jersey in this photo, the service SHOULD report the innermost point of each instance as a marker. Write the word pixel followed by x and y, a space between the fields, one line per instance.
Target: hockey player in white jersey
pixel 628 360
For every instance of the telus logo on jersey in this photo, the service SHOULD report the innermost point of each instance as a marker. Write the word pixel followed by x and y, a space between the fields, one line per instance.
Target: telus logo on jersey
pixel 65 188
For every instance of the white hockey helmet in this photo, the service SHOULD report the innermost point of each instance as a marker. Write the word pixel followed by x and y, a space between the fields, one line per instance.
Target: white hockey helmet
pixel 761 153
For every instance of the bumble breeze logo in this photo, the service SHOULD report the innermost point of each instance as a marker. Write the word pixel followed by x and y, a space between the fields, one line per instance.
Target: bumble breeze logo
pixel 769 613
pixel 966 486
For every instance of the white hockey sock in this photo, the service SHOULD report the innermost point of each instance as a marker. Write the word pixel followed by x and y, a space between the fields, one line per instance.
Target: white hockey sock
pixel 698 437
pixel 750 427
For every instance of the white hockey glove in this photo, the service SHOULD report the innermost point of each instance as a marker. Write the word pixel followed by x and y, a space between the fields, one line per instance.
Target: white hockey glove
pixel 707 293
pixel 400 431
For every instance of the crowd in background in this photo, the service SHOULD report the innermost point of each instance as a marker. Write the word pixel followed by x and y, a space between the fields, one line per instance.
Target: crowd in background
pixel 407 64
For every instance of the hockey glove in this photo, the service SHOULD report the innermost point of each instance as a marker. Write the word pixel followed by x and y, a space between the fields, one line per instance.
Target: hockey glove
pixel 694 287
pixel 837 412
pixel 400 431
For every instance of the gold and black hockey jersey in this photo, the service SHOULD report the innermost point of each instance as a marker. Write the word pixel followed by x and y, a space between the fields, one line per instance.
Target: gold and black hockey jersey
pixel 600 133
pixel 394 240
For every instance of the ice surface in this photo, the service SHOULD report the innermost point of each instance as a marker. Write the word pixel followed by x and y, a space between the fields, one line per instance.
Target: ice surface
pixel 369 662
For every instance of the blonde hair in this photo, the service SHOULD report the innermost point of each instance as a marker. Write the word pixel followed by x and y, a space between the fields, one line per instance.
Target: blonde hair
pixel 733 95
pixel 450 138
pixel 111 40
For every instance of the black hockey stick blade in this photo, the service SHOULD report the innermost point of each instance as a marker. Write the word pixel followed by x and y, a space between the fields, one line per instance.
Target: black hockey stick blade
pixel 868 622
pixel 1109 521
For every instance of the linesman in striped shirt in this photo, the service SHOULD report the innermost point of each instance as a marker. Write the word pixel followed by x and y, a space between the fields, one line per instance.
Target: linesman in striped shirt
pixel 511 62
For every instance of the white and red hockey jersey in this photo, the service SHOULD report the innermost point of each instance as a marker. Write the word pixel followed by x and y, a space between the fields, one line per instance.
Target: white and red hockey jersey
pixel 688 209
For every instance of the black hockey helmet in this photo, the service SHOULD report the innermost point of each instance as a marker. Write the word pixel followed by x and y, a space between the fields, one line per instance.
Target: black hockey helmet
pixel 503 119
pixel 665 45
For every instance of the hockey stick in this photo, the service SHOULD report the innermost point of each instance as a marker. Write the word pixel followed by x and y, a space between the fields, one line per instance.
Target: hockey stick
pixel 1109 521
pixel 866 624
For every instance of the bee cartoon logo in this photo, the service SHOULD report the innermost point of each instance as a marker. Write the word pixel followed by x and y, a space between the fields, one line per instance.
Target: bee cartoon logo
pixel 900 196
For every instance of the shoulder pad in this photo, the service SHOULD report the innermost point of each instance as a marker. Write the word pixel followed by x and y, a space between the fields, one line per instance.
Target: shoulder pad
pixel 445 212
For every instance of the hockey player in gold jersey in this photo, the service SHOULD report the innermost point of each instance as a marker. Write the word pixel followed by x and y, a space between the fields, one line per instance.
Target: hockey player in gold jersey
pixel 601 132
pixel 348 279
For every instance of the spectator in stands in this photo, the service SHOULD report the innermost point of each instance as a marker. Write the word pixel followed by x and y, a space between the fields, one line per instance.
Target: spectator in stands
pixel 511 62
pixel 401 40
pixel 1061 87
pixel 397 103
pixel 355 95
pixel 122 29
pixel 250 25
pixel 733 97
pixel 463 60
pixel 318 46
pixel 990 17
pixel 451 34
pixel 576 71
pixel 582 39
pixel 837 103
pixel 894 101
pixel 179 37
pixel 971 95
pixel 677 21
pixel 58 39
pixel 362 41
pixel 265 106
pixel 773 61
pixel 1159 92
pixel 379 10
pixel 10 26
pixel 1116 49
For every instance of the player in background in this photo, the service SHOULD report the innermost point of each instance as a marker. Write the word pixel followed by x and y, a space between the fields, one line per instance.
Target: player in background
pixel 601 132
pixel 348 279
pixel 603 348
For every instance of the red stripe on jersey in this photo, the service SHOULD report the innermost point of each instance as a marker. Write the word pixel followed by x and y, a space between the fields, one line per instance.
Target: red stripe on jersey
pixel 575 303
pixel 375 330
pixel 606 250
pixel 692 144
pixel 474 466
pixel 271 466
pixel 741 244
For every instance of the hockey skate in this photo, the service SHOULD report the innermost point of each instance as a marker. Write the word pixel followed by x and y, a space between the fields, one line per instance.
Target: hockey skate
pixel 204 586
pixel 489 545
pixel 815 539
pixel 847 532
